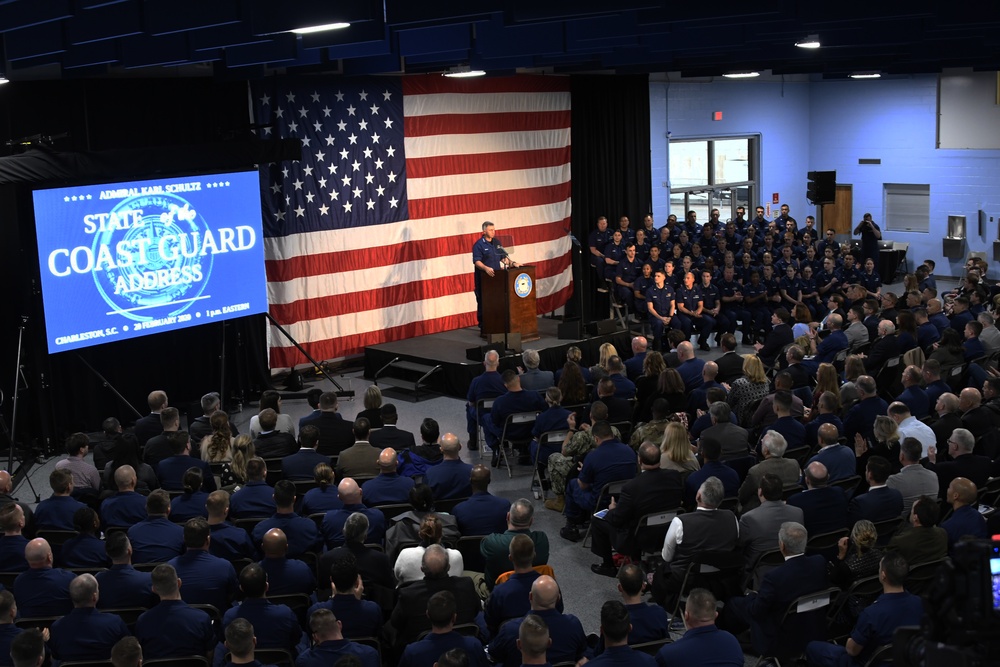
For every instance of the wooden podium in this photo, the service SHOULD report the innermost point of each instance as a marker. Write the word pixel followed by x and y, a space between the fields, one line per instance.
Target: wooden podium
pixel 509 302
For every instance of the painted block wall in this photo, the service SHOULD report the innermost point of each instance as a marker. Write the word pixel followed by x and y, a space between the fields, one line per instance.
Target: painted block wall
pixel 830 125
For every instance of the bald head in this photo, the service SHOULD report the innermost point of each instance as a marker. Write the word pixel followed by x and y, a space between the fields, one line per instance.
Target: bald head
pixel 125 478
pixel 685 351
pixel 434 563
pixel 710 371
pixel 83 591
pixel 828 435
pixel 275 544
pixel 480 477
pixel 349 491
pixel 387 461
pixel 5 481
pixel 816 475
pixel 961 492
pixel 38 553
pixel 544 593
pixel 450 446
pixel 969 399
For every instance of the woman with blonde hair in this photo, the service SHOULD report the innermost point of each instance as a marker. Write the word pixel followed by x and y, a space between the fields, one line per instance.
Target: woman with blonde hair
pixel 885 442
pixel 675 450
pixel 218 446
pixel 407 567
pixel 235 470
pixel 607 351
pixel 749 389
pixel 857 558
pixel 373 407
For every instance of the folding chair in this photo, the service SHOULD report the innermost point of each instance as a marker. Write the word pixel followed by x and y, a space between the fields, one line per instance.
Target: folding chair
pixel 793 643
pixel 863 592
pixel 888 379
pixel 886 529
pixel 391 510
pixel 922 576
pixel 546 438
pixel 652 647
pixel 483 408
pixel 507 443
pixel 651 531
pixel 603 499
pixel 990 493
pixel 825 542
pixel 183 661
pixel 472 557
pixel 882 655
pixel 765 562
pixel 718 571
pixel 619 310
pixel 848 484
pixel 446 505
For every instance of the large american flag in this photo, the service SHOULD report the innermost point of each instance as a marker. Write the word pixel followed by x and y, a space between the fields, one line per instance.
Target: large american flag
pixel 368 237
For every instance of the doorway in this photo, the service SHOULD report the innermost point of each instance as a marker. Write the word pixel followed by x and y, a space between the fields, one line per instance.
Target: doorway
pixel 839 215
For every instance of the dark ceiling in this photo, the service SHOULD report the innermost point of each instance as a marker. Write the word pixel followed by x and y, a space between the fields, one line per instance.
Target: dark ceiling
pixel 247 38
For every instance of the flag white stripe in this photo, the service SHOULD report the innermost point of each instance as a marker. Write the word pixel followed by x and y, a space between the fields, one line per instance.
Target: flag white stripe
pixel 393 275
pixel 493 181
pixel 443 145
pixel 360 238
pixel 383 318
pixel 434 104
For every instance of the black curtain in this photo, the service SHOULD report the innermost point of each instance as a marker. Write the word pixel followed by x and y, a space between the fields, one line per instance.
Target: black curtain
pixel 113 130
pixel 611 170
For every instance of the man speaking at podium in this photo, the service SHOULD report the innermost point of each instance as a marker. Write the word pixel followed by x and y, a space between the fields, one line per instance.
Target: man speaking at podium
pixel 488 256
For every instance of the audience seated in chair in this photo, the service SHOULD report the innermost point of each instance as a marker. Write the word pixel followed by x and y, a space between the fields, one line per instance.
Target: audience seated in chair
pixel 302 464
pixel 405 528
pixel 332 526
pixel 289 575
pixel 442 639
pixel 86 549
pixel 13 542
pixel 329 644
pixel 495 548
pixel 924 541
pixel 759 526
pixel 358 617
pixel 56 512
pixel 702 642
pixel 302 533
pixel 450 478
pixel 373 564
pixel 615 629
pixel 157 539
pixel 773 448
pixel 649 621
pixel 389 486
pixel 170 471
pixel 361 458
pixel 123 585
pixel 965 520
pixel 409 560
pixel 277 626
pixel 210 580
pixel 824 507
pixel 228 541
pixel 42 590
pixel 483 513
pixel 85 633
pixel 254 499
pixel 172 628
pixel 126 508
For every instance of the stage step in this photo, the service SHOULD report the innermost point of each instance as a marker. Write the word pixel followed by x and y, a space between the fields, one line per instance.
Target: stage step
pixel 407 375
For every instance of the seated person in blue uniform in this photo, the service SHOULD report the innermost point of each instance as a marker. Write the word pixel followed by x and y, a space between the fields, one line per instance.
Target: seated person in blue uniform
pixel 86 549
pixel 568 638
pixel 877 623
pixel 8 631
pixel 56 512
pixel 123 585
pixel 324 497
pixel 228 541
pixel 332 528
pixel 486 385
pixel 210 580
pixel 241 639
pixel 170 471
pixel 615 627
pixel 358 617
pixel 85 633
pixel 483 513
pixel 612 460
pixel 516 400
pixel 302 464
pixel 553 418
pixel 255 498
pixel 450 478
pixel 302 533
pixel 173 629
pixel 191 503
pixel 649 621
pixel 389 487
pixel 42 590
pixel 703 643
pixel 511 599
pixel 277 626
pixel 442 638
pixel 12 543
pixel 157 539
pixel 127 507
pixel 288 575
pixel 965 520
pixel 329 644
pixel 27 648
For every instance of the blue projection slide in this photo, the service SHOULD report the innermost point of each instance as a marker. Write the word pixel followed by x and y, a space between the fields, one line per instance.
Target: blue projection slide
pixel 124 260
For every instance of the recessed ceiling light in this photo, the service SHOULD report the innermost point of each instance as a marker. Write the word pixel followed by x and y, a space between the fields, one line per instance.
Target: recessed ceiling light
pixel 810 42
pixel 741 75
pixel 320 28
pixel 866 75
pixel 463 72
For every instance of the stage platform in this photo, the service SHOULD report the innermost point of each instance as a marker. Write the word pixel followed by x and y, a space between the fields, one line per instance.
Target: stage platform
pixel 448 349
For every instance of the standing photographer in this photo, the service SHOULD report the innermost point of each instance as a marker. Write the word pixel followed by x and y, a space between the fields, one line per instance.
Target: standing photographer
pixel 870 234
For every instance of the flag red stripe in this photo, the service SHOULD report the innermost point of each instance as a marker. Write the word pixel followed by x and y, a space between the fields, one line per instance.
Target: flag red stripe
pixel 433 83
pixel 386 297
pixel 426 167
pixel 438 207
pixel 345 346
pixel 526 121
pixel 322 263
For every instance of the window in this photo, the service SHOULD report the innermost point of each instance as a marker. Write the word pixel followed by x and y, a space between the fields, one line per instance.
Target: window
pixel 907 207
pixel 713 173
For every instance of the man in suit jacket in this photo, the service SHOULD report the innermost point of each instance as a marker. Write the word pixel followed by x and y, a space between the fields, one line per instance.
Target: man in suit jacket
pixel 824 508
pixel 764 415
pixel 149 426
pixel 533 379
pixel 730 364
pixel 913 394
pixel 913 480
pixel 759 527
pixel 389 435
pixel 764 610
pixel 158 447
pixel 924 541
pixel 300 465
pixel 773 447
pixel 964 463
pixel 840 460
pixel 976 418
pixel 653 490
pixel 779 336
pixel 949 418
pixel 360 459
pixel 633 367
pixel 335 433
pixel 835 341
pixel 881 502
pixel 885 347
pixel 619 409
pixel 271 443
pixel 170 471
pixel 733 440
pixel 409 616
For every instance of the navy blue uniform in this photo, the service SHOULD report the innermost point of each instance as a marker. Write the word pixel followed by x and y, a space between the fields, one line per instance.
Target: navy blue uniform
pixel 568 639
pixel 156 540
pixel 623 656
pixel 43 592
pixel 628 271
pixel 661 300
pixel 274 625
pixel 649 622
pixel 553 418
pixel 711 297
pixel 230 542
pixel 302 533
pixel 86 634
pixel 427 651
pixel 333 525
pixel 612 461
pixel 387 488
pixel 7 633
pixel 360 618
pixel 510 403
pixel 12 553
pixel 286 576
pixel 206 579
pixel 188 506
pixel 83 551
pixel 124 586
pixel 482 514
pixel 56 513
pixel 597 240
pixel 707 645
pixel 321 500
pixel 125 508
pixel 173 629
pixel 486 385
pixel 734 310
pixel 616 252
pixel 253 500
pixel 449 479
pixel 510 599
pixel 487 252
pixel 329 652
pixel 705 324
pixel 170 471
pixel 301 464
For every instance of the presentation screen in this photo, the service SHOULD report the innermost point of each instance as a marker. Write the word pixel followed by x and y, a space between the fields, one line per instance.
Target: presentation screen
pixel 122 260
